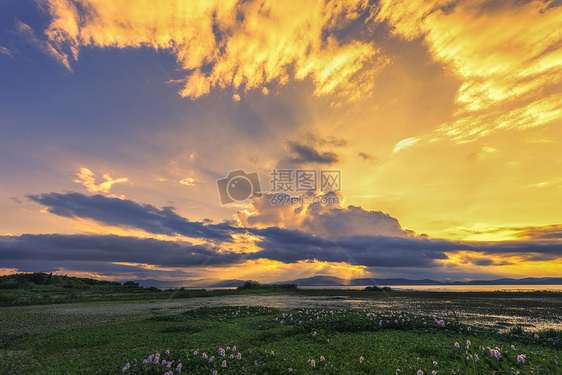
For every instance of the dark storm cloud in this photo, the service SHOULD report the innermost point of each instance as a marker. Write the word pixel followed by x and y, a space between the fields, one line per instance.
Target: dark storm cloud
pixel 93 267
pixel 303 154
pixel 548 232
pixel 482 260
pixel 388 249
pixel 64 248
pixel 292 246
pixel 487 262
pixel 365 156
pixel 512 247
pixel 126 213
pixel 384 251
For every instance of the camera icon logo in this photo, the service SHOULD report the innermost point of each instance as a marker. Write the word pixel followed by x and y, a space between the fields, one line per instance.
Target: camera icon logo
pixel 239 186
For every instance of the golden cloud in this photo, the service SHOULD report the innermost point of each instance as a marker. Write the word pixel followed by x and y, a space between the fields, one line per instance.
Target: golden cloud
pixel 87 178
pixel 188 181
pixel 228 43
pixel 508 56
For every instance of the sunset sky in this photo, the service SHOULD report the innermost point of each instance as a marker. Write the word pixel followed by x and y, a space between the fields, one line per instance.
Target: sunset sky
pixel 118 117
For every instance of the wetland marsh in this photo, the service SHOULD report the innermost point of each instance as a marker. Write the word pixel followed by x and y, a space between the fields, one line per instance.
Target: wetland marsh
pixel 309 331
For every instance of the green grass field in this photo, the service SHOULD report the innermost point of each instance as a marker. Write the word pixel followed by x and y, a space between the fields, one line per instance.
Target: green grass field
pixel 103 337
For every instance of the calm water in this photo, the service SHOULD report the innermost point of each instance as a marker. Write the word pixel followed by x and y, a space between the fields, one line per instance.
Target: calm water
pixel 481 288
pixel 455 288
pixel 439 288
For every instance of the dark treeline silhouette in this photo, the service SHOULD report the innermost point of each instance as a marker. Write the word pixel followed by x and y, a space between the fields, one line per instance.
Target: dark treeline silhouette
pixel 254 285
pixel 41 280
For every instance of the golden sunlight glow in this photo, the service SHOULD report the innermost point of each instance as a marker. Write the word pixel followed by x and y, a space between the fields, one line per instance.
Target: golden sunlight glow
pixel 510 265
pixel 7 271
pixel 485 47
pixel 146 266
pixel 265 271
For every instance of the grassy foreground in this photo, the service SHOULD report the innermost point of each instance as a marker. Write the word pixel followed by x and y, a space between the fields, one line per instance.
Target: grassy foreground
pixel 264 340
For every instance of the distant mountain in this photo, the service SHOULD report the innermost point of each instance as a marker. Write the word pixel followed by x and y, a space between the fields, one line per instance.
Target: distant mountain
pixel 199 283
pixel 317 281
pixel 147 283
pixel 392 281
pixel 229 283
pixel 336 281
pixel 329 281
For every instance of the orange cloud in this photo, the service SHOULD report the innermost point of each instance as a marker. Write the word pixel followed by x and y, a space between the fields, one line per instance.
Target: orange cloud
pixel 87 178
pixel 246 45
pixel 46 47
pixel 188 181
pixel 508 56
